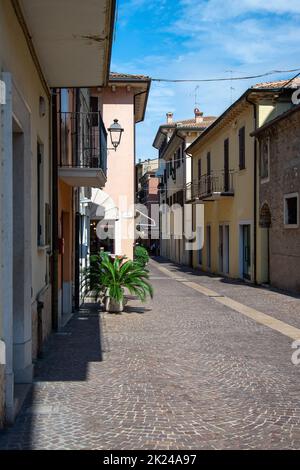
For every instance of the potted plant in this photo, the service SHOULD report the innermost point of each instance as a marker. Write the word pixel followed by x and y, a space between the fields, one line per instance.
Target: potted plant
pixel 141 255
pixel 108 278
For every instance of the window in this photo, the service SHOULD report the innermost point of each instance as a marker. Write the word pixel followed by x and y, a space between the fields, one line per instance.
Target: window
pixel 173 169
pixel 208 169
pixel 94 110
pixel 226 165
pixel 291 210
pixel 177 158
pixel 199 169
pixel 242 158
pixel 182 151
pixel 264 158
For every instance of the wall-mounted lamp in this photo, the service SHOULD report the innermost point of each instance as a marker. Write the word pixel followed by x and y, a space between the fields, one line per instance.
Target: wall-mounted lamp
pixel 115 131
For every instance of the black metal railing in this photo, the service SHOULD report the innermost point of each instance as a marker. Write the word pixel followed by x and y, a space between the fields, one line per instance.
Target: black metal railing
pixel 83 140
pixel 217 182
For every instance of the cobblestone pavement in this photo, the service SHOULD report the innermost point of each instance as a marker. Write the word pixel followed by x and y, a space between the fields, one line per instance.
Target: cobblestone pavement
pixel 183 371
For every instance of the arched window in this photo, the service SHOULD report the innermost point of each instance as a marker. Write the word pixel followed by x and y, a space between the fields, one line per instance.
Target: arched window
pixel 265 218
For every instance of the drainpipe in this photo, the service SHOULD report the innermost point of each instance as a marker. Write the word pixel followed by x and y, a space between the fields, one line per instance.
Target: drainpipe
pixel 255 193
pixel 54 213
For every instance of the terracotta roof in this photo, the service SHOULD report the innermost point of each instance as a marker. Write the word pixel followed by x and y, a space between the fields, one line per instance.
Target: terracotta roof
pixel 124 76
pixel 207 121
pixel 295 83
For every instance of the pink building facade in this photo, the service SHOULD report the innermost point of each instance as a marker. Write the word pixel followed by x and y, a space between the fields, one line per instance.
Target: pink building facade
pixel 124 99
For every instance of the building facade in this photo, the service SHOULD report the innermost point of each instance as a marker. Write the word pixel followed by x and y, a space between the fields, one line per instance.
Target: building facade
pixel 142 167
pixel 147 196
pixel 225 182
pixel 112 211
pixel 175 169
pixel 279 188
pixel 31 66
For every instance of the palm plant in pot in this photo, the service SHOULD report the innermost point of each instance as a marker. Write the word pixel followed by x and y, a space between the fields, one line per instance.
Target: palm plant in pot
pixel 109 278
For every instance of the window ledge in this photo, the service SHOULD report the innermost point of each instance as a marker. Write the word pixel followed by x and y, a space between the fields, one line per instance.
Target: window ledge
pixel 291 226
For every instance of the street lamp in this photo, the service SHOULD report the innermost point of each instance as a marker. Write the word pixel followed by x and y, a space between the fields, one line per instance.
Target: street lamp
pixel 115 131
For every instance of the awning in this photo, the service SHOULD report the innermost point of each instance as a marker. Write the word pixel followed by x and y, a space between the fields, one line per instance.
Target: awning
pixel 71 38
pixel 103 207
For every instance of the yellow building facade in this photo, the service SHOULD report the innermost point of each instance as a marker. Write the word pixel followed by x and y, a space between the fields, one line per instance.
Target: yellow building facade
pixel 225 169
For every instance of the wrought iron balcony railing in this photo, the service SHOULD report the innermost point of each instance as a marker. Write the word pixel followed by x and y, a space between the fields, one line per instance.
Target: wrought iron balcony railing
pixel 82 140
pixel 211 186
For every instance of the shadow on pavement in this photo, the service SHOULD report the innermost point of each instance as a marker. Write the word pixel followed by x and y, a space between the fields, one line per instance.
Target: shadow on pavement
pixel 68 352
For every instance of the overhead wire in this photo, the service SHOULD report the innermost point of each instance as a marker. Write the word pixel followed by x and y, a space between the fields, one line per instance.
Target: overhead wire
pixel 224 79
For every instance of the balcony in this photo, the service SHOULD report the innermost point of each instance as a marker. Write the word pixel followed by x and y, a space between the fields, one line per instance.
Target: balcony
pixel 211 187
pixel 82 144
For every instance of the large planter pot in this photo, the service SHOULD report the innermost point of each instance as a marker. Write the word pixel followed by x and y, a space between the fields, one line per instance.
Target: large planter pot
pixel 113 306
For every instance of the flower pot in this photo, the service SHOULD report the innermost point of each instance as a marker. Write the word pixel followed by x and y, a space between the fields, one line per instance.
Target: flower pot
pixel 113 306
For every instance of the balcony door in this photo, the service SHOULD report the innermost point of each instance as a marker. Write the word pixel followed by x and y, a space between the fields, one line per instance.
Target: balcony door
pixel 208 171
pixel 226 165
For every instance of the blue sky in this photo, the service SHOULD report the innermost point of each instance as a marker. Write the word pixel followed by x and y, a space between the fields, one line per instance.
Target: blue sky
pixel 202 39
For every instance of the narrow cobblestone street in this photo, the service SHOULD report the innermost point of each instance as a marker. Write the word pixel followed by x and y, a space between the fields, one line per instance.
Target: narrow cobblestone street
pixel 181 372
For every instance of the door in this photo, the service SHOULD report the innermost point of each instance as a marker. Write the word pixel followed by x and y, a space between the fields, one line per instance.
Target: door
pixel 226 249
pixel 208 247
pixel 246 252
pixel 220 248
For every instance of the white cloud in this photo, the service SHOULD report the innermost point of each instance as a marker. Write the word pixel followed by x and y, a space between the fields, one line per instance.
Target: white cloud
pixel 213 37
pixel 215 9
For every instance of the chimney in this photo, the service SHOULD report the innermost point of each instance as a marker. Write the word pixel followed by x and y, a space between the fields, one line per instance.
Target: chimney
pixel 169 118
pixel 198 115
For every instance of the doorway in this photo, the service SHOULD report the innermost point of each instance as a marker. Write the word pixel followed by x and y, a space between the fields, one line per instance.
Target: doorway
pixel 246 251
pixel 21 260
pixel 224 248
pixel 66 264
pixel 220 248
pixel 208 247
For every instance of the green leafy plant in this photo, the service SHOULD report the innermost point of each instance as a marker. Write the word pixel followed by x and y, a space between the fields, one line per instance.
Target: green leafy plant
pixel 141 255
pixel 110 277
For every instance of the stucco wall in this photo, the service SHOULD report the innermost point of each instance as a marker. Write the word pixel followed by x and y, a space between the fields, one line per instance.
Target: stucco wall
pixel 239 209
pixel 16 59
pixel 119 104
pixel 230 210
pixel 27 88
pixel 284 179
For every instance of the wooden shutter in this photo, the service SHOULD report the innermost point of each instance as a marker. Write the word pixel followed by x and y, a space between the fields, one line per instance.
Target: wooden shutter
pixel 242 163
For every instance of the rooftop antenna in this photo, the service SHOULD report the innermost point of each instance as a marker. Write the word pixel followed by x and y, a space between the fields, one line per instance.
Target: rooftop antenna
pixel 196 96
pixel 232 89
